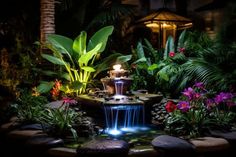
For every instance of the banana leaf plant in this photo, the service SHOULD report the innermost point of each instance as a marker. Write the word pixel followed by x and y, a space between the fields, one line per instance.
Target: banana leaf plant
pixel 160 67
pixel 78 57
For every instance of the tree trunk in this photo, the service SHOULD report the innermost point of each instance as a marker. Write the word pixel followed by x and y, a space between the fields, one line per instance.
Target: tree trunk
pixel 47 19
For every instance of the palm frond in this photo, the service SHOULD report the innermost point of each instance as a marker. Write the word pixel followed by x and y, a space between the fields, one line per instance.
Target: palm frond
pixel 208 73
pixel 111 12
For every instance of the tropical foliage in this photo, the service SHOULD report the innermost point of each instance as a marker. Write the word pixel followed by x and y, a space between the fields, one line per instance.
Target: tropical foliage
pixel 214 67
pixel 60 121
pixel 30 108
pixel 200 110
pixel 143 66
pixel 78 58
pixel 193 57
pixel 160 68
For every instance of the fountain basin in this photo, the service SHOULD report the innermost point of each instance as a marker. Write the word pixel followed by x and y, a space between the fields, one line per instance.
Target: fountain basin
pixel 95 106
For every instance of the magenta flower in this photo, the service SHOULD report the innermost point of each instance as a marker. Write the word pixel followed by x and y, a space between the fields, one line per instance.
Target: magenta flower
pixel 189 92
pixel 171 54
pixel 197 95
pixel 69 101
pixel 183 106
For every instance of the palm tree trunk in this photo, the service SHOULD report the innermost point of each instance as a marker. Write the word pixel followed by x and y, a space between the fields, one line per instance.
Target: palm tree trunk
pixel 47 19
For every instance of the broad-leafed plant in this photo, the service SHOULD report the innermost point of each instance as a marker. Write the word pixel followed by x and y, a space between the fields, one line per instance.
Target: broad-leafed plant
pixel 159 67
pixel 77 58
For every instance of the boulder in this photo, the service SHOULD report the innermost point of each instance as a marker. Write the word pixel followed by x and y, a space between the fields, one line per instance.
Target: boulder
pixel 104 148
pixel 209 144
pixel 169 146
pixel 229 136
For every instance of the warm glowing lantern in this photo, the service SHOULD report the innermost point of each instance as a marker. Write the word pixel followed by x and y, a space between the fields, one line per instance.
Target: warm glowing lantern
pixel 165 23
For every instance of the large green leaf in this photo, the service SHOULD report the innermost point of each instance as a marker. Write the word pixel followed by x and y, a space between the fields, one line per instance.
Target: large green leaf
pixel 45 87
pixel 153 52
pixel 123 59
pixel 85 58
pixel 170 46
pixel 88 69
pixel 163 74
pixel 140 51
pixel 153 67
pixel 62 44
pixel 66 76
pixel 61 41
pixel 100 36
pixel 53 59
pixel 45 72
pixel 79 44
pixel 182 39
pixel 143 59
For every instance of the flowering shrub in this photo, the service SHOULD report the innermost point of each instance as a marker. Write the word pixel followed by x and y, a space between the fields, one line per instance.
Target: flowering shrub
pixel 60 121
pixel 198 111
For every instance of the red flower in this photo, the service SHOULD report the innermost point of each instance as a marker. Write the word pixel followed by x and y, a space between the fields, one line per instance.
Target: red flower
pixel 55 91
pixel 181 49
pixel 170 106
pixel 57 84
pixel 171 54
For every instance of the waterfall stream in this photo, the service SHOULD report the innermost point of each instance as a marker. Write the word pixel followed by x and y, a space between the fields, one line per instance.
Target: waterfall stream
pixel 124 118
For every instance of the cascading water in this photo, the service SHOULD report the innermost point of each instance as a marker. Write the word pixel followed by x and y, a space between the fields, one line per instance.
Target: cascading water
pixel 124 118
pixel 119 87
pixel 122 113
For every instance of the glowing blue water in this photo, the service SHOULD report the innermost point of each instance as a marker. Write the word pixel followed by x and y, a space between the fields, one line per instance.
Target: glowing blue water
pixel 124 118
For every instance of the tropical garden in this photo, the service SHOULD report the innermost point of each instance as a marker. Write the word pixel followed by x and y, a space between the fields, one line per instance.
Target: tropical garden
pixel 195 74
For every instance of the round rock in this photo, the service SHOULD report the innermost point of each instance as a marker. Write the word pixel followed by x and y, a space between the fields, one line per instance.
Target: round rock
pixel 229 136
pixel 210 144
pixel 44 142
pixel 104 148
pixel 173 146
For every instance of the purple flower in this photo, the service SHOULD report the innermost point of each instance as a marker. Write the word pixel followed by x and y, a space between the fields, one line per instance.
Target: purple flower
pixel 189 92
pixel 199 85
pixel 223 97
pixel 183 106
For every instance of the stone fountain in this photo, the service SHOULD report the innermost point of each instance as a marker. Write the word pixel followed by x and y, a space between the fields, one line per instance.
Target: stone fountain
pixel 117 86
pixel 122 110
